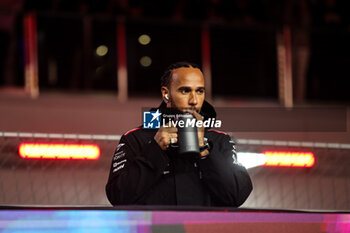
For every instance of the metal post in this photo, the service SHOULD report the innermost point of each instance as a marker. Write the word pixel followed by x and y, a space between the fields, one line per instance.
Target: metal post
pixel 87 51
pixel 284 63
pixel 206 61
pixel 31 55
pixel 122 63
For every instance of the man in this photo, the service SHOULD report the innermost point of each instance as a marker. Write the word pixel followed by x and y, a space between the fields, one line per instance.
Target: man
pixel 148 170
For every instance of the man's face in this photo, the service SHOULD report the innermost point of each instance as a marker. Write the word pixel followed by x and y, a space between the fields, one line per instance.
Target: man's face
pixel 186 89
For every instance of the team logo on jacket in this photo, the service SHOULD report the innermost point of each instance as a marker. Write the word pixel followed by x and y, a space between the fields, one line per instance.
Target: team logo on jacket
pixel 151 119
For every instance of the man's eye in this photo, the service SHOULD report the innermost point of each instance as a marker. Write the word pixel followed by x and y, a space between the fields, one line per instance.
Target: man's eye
pixel 200 91
pixel 184 91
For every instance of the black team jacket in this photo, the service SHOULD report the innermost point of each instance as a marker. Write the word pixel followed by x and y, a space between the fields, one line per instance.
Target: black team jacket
pixel 143 174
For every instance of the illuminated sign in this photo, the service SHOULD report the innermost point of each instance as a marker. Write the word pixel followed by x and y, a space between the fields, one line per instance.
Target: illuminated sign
pixel 59 151
pixel 276 159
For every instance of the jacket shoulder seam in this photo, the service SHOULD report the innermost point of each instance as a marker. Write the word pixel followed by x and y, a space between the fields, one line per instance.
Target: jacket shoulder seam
pixel 132 130
pixel 217 131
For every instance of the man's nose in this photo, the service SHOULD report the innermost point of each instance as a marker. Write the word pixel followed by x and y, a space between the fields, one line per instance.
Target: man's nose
pixel 193 99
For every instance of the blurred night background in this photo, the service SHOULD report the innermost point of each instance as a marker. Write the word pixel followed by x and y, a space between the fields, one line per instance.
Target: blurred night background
pixel 78 71
pixel 243 52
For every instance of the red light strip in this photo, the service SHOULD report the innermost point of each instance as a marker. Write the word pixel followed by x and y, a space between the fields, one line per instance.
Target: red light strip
pixel 289 159
pixel 59 151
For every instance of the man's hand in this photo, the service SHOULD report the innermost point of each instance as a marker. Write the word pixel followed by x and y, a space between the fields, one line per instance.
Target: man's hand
pixel 166 136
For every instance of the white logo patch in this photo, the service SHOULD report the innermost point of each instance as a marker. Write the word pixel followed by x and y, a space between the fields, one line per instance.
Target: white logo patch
pixel 118 168
pixel 120 146
pixel 116 164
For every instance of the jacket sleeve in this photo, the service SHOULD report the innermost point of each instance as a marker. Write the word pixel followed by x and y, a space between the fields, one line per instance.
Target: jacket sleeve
pixel 227 181
pixel 134 170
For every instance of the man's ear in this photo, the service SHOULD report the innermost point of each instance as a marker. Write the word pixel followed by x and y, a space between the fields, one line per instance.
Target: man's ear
pixel 165 94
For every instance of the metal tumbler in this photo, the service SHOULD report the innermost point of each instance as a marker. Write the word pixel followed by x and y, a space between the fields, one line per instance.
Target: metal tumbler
pixel 187 135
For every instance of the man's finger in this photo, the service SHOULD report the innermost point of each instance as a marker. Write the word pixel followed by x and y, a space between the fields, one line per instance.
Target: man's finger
pixel 195 114
pixel 172 135
pixel 170 130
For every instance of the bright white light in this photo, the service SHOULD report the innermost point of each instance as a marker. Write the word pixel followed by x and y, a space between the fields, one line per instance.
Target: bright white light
pixel 276 159
pixel 145 61
pixel 144 39
pixel 102 50
pixel 250 160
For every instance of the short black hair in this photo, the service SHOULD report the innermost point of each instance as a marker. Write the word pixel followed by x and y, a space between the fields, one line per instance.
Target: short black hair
pixel 166 78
